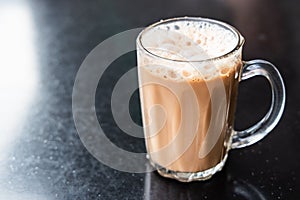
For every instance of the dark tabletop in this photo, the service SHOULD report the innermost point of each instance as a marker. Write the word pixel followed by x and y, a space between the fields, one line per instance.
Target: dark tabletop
pixel 42 45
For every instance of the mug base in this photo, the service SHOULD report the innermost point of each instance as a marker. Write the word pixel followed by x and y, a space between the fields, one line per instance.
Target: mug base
pixel 189 176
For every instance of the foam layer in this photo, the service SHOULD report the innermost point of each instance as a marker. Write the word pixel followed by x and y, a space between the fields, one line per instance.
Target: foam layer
pixel 188 41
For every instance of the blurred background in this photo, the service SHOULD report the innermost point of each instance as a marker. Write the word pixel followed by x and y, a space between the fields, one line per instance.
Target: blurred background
pixel 42 45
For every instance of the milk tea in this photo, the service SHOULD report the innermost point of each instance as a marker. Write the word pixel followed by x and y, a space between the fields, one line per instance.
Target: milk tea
pixel 188 91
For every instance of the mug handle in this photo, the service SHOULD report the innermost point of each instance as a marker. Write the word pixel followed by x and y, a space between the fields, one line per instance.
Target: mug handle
pixel 258 131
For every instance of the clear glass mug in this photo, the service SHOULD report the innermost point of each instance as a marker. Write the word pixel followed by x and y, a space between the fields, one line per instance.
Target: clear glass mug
pixel 189 69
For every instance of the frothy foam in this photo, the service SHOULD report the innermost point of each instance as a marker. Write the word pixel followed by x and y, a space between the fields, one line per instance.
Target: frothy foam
pixel 188 41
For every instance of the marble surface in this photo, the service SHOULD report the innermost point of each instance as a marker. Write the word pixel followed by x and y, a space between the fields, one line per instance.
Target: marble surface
pixel 42 45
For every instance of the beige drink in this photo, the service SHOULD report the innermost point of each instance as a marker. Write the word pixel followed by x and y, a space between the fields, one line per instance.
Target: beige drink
pixel 184 115
pixel 189 69
pixel 188 107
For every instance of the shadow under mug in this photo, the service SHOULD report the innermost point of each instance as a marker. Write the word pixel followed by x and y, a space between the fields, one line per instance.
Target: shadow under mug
pixel 188 103
pixel 227 185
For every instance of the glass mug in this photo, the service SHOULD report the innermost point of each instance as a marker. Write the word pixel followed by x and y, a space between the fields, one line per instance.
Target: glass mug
pixel 189 69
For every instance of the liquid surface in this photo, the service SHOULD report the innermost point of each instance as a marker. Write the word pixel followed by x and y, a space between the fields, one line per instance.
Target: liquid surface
pixel 189 41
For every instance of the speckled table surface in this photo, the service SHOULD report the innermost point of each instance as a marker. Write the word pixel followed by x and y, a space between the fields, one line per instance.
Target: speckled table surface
pixel 42 45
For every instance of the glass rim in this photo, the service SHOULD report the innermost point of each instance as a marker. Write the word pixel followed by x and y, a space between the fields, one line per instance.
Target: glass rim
pixel 240 39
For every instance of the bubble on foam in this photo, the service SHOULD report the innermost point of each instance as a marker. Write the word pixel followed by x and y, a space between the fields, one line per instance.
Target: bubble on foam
pixel 189 41
pixel 165 72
